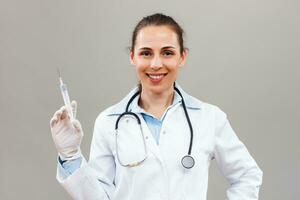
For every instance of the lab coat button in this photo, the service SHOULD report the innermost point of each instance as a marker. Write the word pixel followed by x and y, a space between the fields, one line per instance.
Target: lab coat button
pixel 146 137
pixel 164 132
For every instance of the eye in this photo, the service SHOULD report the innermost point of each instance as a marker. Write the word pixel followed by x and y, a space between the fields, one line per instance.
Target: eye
pixel 168 53
pixel 145 53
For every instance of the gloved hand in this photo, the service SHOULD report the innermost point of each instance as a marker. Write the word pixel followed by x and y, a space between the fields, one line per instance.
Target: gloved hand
pixel 66 134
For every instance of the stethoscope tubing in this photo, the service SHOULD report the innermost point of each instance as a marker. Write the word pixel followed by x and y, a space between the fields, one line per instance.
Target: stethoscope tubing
pixel 188 120
pixel 187 161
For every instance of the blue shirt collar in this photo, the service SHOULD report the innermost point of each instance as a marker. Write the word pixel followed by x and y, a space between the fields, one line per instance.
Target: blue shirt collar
pixel 119 108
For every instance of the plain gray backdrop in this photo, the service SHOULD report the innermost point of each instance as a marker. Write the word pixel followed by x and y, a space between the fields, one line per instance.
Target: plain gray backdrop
pixel 243 57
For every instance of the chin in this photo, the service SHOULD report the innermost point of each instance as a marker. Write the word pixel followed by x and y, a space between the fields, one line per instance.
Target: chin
pixel 158 89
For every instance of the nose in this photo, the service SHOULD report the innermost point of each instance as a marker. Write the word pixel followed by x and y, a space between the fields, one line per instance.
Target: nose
pixel 156 63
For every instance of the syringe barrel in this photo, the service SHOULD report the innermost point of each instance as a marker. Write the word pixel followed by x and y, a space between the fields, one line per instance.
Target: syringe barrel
pixel 66 98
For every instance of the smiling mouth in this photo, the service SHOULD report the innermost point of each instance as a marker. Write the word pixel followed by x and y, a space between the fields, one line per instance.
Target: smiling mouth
pixel 156 76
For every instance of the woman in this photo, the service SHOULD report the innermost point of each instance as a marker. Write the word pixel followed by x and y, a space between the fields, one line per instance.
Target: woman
pixel 167 156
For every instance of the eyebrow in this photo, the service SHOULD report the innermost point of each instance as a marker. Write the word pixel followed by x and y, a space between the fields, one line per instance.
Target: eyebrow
pixel 166 47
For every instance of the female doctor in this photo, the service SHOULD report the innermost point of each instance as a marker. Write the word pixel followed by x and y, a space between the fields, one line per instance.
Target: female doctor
pixel 156 143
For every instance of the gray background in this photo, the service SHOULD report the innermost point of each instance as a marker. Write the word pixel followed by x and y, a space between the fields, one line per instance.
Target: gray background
pixel 244 57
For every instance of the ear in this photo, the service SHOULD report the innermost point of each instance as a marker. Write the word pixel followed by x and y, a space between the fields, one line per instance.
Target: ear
pixel 131 58
pixel 183 58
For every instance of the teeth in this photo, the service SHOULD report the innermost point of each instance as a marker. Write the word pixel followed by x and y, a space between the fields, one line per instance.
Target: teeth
pixel 156 76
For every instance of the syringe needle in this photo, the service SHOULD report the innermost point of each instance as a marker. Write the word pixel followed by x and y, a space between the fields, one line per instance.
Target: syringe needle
pixel 59 76
pixel 58 72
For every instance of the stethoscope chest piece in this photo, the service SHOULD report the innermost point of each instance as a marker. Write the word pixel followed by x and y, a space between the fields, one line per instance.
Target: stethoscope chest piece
pixel 188 162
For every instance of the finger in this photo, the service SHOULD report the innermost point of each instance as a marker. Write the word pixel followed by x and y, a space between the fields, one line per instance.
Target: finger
pixel 57 114
pixel 55 118
pixel 74 108
pixel 53 122
pixel 62 108
pixel 77 125
pixel 64 114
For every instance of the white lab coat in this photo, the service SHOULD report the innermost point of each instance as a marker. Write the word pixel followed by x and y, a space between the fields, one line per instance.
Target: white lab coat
pixel 161 176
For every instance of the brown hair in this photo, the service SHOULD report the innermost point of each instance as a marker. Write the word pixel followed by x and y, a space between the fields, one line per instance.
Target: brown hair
pixel 158 19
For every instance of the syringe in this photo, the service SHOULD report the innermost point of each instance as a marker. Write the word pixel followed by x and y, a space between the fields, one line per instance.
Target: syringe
pixel 65 95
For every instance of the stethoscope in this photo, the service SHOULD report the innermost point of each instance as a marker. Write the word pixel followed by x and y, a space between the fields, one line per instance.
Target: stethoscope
pixel 187 161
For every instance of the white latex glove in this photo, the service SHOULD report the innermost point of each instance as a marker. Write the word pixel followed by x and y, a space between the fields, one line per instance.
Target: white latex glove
pixel 66 134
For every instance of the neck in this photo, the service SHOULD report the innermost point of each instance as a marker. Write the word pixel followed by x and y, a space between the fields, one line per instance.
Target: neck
pixel 156 103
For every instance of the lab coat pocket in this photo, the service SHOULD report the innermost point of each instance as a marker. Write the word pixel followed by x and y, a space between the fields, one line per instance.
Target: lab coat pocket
pixel 130 144
pixel 202 160
pixel 196 178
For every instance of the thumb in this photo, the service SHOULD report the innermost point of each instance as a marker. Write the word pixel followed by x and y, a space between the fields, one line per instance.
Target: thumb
pixel 74 108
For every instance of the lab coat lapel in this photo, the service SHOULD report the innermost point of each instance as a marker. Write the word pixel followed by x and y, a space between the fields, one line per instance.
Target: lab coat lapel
pixel 150 141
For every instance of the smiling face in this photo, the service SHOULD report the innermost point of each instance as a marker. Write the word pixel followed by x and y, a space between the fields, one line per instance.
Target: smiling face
pixel 157 58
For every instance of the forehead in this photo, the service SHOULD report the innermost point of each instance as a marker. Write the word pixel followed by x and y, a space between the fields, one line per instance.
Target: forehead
pixel 156 36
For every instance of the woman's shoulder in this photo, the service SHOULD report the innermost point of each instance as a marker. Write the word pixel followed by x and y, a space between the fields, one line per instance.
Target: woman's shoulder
pixel 195 103
pixel 203 106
